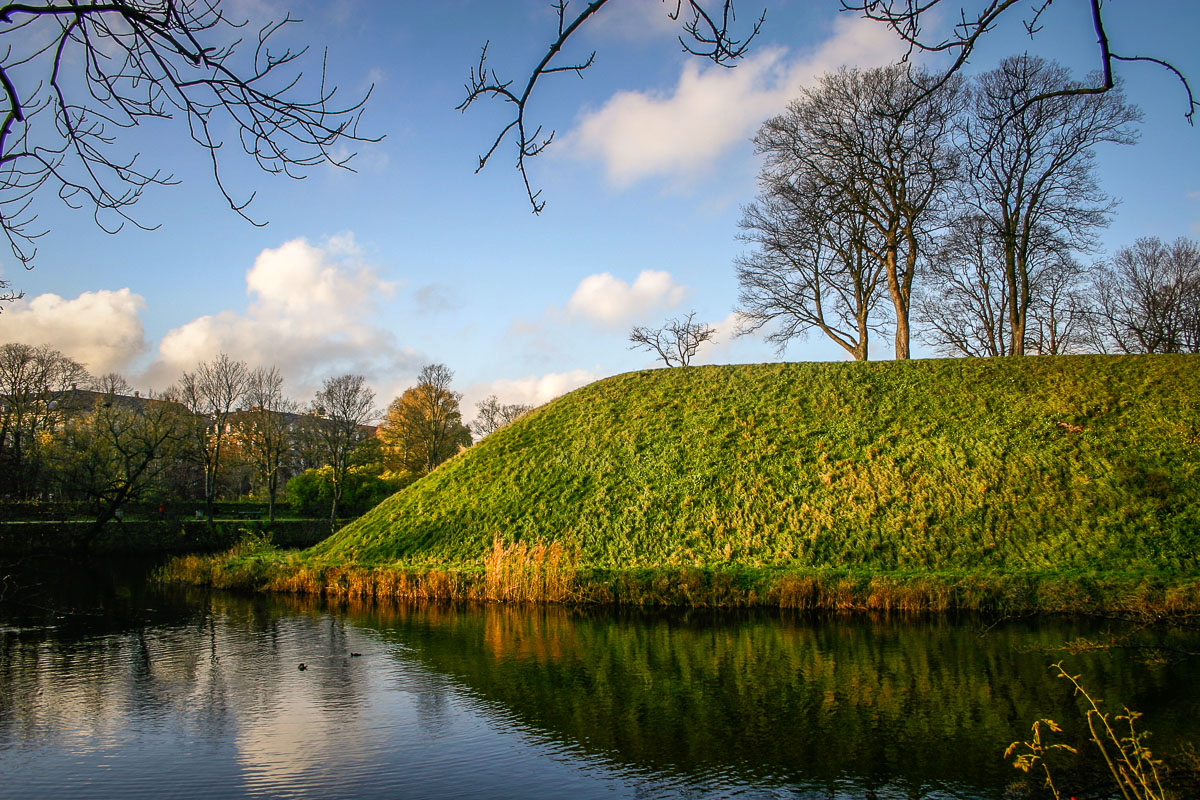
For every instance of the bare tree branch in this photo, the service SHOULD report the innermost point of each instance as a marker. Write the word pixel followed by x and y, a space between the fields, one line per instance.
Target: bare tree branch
pixel 146 60
pixel 904 17
pixel 708 35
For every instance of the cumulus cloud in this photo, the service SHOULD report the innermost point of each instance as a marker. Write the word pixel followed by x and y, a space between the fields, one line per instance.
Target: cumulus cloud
pixel 681 133
pixel 102 330
pixel 611 301
pixel 310 315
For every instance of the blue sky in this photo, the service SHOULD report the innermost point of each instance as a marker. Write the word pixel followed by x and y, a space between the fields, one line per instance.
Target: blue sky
pixel 415 259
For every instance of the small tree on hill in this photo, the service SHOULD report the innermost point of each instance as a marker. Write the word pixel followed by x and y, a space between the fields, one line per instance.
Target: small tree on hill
pixel 492 415
pixel 675 341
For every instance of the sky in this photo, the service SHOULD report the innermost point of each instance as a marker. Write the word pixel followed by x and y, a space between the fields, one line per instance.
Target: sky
pixel 415 259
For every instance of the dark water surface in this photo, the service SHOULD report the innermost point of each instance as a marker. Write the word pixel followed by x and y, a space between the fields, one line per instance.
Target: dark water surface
pixel 110 687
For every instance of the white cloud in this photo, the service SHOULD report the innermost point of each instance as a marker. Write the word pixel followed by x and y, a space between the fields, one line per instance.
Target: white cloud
pixel 102 330
pixel 636 20
pixel 611 301
pixel 717 350
pixel 310 315
pixel 534 390
pixel 682 132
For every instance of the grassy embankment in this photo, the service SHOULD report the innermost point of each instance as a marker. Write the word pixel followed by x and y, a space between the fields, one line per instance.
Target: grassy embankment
pixel 1068 483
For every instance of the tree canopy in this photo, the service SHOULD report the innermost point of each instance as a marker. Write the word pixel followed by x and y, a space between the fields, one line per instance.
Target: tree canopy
pixel 423 427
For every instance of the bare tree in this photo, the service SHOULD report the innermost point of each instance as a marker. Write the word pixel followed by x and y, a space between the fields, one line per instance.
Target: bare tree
pixel 34 387
pixel 1060 316
pixel 1032 175
pixel 709 32
pixel 676 341
pixel 75 77
pixel 267 428
pixel 964 303
pixel 906 18
pixel 212 394
pixel 492 415
pixel 112 383
pixel 1148 298
pixel 876 143
pixel 345 405
pixel 812 268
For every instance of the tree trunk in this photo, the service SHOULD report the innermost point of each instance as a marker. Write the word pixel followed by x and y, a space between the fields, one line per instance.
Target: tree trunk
pixel 333 509
pixel 899 301
pixel 902 336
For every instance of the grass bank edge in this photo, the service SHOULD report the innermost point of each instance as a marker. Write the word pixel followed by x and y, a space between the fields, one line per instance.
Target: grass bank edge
pixel 549 579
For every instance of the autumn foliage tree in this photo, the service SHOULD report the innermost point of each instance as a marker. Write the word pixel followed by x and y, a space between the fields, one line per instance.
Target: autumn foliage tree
pixel 423 427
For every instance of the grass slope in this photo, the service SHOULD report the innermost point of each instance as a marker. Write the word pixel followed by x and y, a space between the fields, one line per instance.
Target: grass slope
pixel 1042 464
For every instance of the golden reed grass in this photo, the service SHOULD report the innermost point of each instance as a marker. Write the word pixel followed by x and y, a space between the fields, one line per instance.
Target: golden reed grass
pixel 518 572
pixel 537 572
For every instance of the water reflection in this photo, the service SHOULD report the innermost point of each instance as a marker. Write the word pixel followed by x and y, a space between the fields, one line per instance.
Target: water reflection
pixel 201 695
pixel 909 705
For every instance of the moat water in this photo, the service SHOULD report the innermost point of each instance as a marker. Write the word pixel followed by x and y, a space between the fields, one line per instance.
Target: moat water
pixel 111 686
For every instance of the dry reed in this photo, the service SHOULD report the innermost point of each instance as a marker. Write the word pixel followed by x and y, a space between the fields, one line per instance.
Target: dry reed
pixel 551 573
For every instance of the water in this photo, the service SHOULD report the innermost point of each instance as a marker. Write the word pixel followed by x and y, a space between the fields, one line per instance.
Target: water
pixel 111 687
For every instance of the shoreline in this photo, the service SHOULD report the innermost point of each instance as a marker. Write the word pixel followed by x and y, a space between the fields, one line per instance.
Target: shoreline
pixel 732 586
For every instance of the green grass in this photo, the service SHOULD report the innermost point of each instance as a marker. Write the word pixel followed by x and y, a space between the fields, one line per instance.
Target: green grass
pixel 1041 465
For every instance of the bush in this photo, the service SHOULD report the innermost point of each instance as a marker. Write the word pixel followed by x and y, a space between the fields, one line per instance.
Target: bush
pixel 311 492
